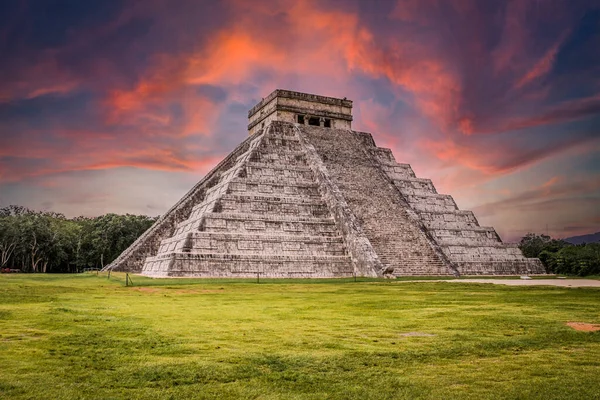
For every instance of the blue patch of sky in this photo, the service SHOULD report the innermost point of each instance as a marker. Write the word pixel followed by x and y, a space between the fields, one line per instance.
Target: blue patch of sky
pixel 38 110
pixel 542 135
pixel 49 23
pixel 575 54
pixel 24 163
pixel 214 93
pixel 176 111
pixel 231 127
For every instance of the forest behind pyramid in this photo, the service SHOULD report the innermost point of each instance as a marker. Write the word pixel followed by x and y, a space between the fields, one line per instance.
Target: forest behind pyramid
pixel 304 196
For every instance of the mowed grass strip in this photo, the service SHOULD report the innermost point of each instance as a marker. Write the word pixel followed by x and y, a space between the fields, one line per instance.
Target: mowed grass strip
pixel 84 336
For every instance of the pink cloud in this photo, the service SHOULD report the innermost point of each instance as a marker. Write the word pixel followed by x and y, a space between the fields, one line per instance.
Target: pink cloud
pixel 543 65
pixel 566 111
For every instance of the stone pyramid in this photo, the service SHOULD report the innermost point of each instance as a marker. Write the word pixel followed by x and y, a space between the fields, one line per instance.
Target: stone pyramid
pixel 305 196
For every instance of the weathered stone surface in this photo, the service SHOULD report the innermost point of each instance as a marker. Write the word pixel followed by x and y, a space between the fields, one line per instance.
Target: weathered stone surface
pixel 401 245
pixel 285 105
pixel 299 200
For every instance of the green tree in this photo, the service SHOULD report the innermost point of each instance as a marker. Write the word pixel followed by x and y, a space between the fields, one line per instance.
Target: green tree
pixel 583 259
pixel 532 245
pixel 50 242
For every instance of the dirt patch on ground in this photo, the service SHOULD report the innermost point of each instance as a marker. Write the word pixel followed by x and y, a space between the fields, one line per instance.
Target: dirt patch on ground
pixel 422 334
pixel 178 291
pixel 146 290
pixel 187 291
pixel 584 327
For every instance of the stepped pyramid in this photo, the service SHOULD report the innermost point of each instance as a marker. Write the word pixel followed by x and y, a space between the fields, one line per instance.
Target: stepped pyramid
pixel 305 196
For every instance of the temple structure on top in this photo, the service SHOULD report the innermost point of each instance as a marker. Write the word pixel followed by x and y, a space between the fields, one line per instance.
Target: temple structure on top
pixel 305 196
pixel 301 108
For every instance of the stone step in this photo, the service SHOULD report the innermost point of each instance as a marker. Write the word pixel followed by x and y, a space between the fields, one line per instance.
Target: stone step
pixel 287 135
pixel 480 254
pixel 247 266
pixel 281 138
pixel 384 155
pixel 406 258
pixel 277 189
pixel 424 270
pixel 271 180
pixel 268 152
pixel 439 208
pixel 494 267
pixel 456 225
pixel 265 204
pixel 396 171
pixel 277 156
pixel 422 273
pixel 277 166
pixel 271 198
pixel 415 186
pixel 236 243
pixel 309 203
pixel 251 223
pixel 287 144
pixel 300 188
pixel 408 262
pixel 270 224
pixel 431 202
pixel 473 232
pixel 445 217
pixel 468 241
pixel 282 171
pixel 510 248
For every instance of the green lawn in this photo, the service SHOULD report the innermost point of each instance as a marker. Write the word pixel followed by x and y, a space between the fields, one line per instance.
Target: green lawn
pixel 84 336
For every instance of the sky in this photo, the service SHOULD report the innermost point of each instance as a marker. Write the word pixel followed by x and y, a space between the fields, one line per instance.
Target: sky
pixel 122 106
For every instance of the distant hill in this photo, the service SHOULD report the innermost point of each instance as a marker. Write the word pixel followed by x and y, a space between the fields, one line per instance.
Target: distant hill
pixel 589 238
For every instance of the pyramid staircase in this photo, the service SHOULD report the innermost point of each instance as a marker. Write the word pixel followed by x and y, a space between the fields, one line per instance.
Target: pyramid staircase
pixel 264 215
pixel 401 245
pixel 471 249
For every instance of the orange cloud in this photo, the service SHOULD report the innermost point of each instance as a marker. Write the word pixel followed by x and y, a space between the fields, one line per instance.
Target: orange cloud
pixel 566 111
pixel 551 182
pixel 513 44
pixel 301 38
pixel 151 158
pixel 498 159
pixel 38 79
pixel 449 151
pixel 234 56
pixel 543 65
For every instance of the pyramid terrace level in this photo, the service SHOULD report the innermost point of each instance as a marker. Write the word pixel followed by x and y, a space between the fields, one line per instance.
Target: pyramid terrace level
pixel 304 196
pixel 301 108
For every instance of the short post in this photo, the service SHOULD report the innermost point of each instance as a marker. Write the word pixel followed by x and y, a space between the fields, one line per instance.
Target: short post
pixel 109 274
pixel 126 279
pixel 354 273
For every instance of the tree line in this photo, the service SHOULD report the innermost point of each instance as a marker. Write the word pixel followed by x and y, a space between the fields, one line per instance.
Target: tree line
pixel 40 241
pixel 560 257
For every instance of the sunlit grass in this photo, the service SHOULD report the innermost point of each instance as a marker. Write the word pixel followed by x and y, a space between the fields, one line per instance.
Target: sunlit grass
pixel 84 336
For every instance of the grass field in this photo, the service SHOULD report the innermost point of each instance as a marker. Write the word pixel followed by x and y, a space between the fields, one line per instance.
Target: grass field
pixel 84 336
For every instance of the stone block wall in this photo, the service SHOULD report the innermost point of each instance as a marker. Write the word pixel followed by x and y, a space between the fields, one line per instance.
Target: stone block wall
pixel 470 248
pixel 133 258
pixel 265 216
pixel 401 245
